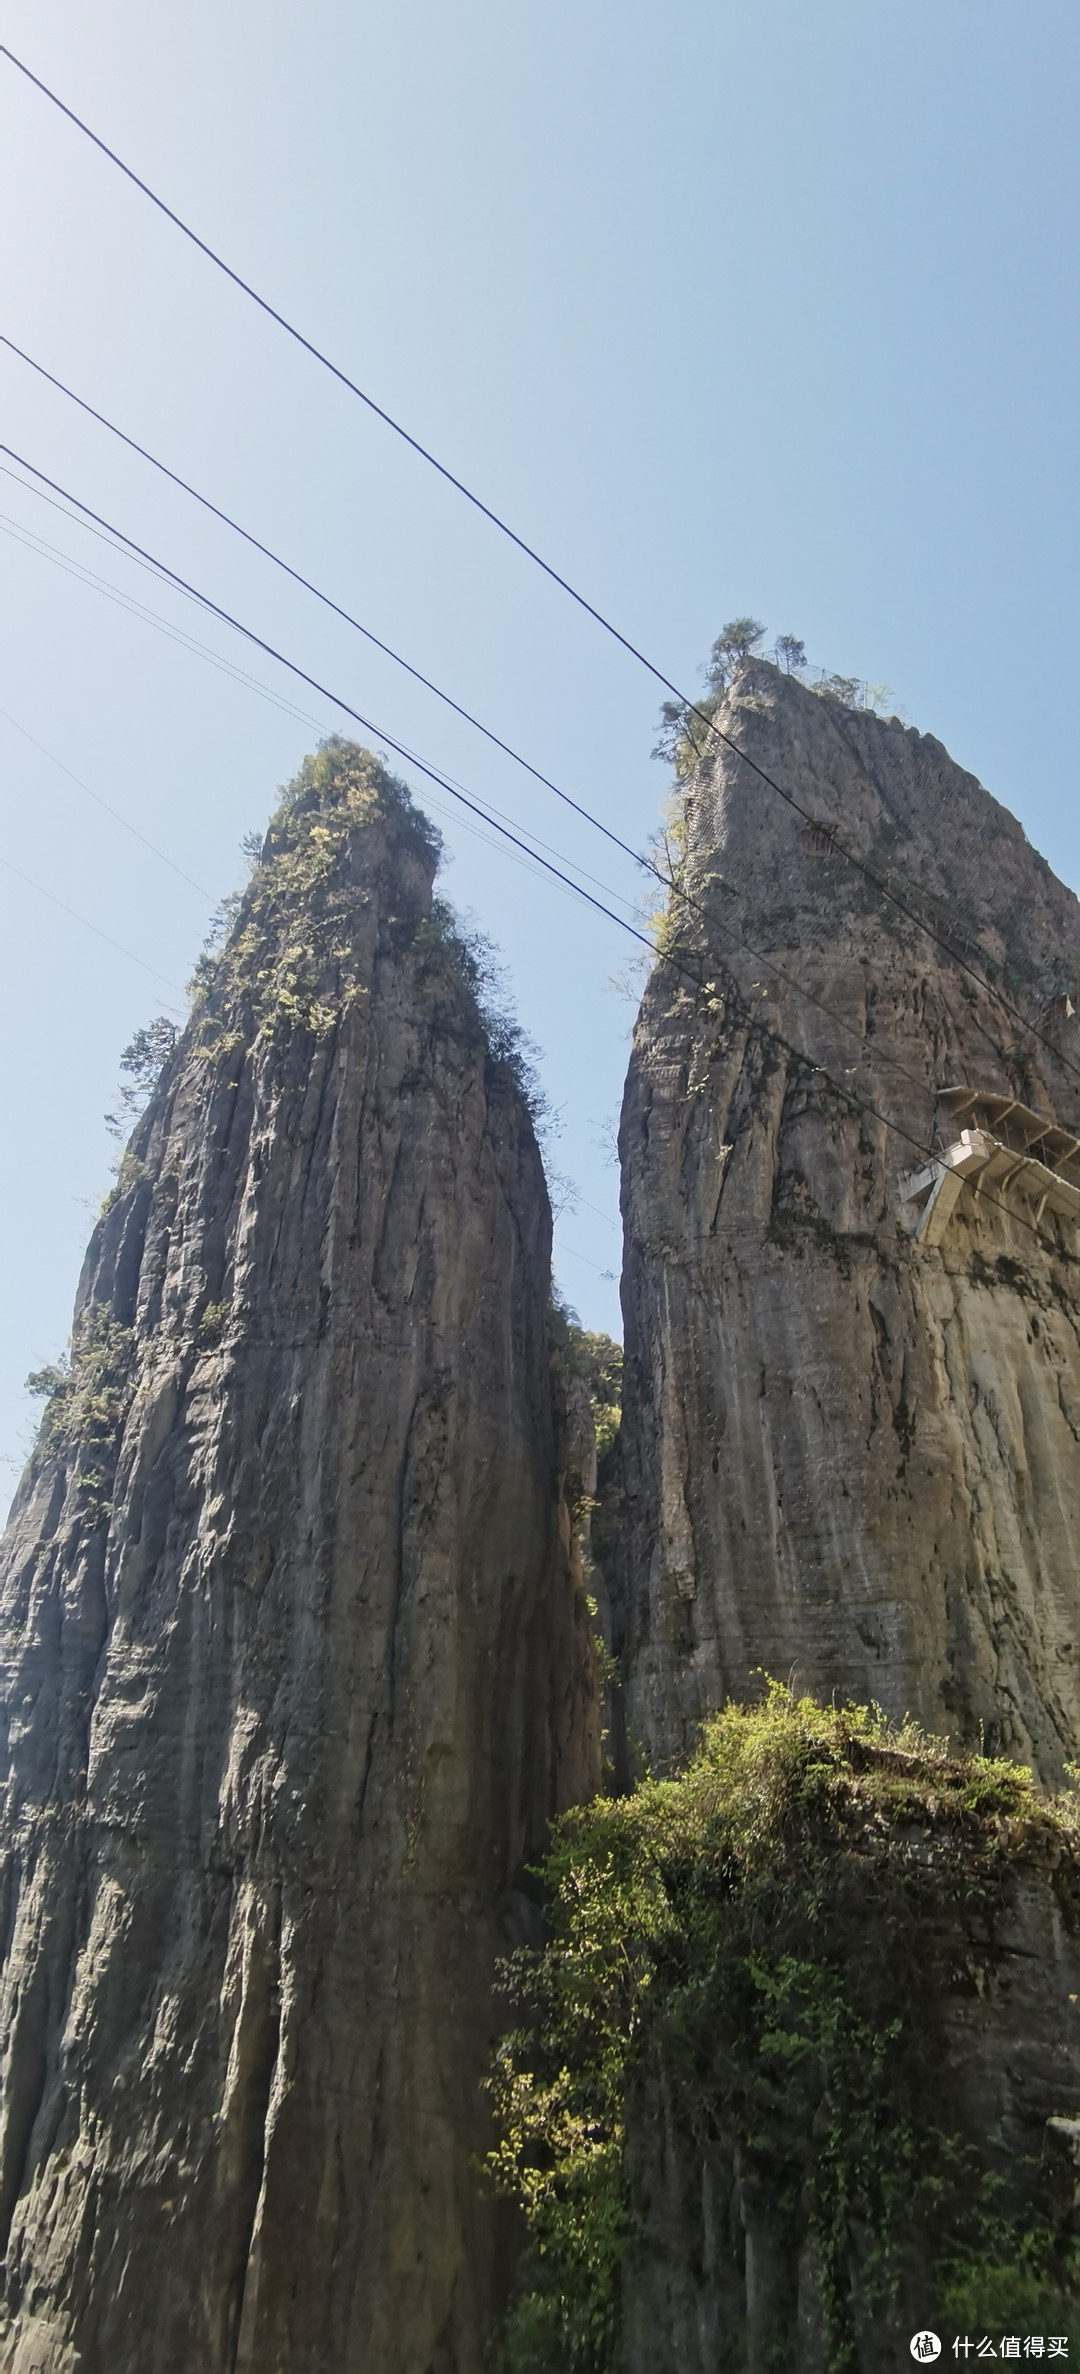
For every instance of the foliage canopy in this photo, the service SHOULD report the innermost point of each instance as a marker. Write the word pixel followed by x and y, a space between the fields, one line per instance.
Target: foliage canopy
pixel 770 1937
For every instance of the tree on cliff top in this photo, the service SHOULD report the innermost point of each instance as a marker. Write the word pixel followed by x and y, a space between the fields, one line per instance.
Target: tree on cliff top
pixel 736 642
pixel 684 724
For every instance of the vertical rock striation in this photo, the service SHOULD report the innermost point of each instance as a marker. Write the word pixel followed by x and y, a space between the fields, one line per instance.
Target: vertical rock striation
pixel 728 2267
pixel 849 1451
pixel 293 1666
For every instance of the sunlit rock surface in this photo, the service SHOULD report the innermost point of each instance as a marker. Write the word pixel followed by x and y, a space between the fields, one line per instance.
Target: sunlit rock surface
pixel 846 1455
pixel 293 1663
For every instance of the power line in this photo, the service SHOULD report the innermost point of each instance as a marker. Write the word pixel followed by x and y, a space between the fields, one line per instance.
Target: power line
pixel 495 519
pixel 102 803
pixel 326 599
pixel 336 608
pixel 140 610
pixel 337 373
pixel 119 541
pixel 446 784
pixel 529 857
pixel 116 541
pixel 88 926
pixel 753 1026
pixel 307 584
pixel 113 593
pixel 581 1203
pixel 354 389
pixel 216 611
pixel 65 512
pixel 884 886
pixel 560 1250
pixel 118 538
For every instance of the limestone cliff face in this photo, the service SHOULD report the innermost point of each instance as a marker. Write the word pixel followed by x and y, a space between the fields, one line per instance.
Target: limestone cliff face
pixel 849 1452
pixel 293 1668
pixel 726 2270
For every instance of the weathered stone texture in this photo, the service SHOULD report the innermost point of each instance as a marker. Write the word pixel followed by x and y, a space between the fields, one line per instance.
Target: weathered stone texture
pixel 726 2271
pixel 845 1456
pixel 293 1665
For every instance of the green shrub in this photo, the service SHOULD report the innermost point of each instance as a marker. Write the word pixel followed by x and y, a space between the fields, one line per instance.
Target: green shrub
pixel 282 956
pixel 771 1935
pixel 87 1397
pixel 214 1321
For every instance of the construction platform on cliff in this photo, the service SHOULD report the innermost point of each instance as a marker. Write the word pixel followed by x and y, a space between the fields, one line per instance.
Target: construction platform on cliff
pixel 1002 1144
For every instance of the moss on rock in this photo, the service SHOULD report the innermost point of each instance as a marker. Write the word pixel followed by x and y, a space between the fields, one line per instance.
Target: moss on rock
pixel 759 1982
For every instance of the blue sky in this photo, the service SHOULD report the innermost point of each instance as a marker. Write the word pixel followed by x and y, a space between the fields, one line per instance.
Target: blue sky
pixel 724 307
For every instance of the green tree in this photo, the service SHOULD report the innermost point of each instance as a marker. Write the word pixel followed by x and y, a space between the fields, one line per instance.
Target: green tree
pixel 847 689
pixel 735 643
pixel 771 1939
pixel 674 716
pixel 791 653
pixel 143 1060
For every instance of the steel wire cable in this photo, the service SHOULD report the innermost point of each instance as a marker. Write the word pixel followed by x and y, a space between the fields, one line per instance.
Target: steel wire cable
pixel 191 643
pixel 217 512
pixel 136 609
pixel 326 599
pixel 753 1026
pixel 84 920
pixel 691 707
pixel 116 541
pixel 318 356
pixel 119 541
pixel 103 803
pixel 883 884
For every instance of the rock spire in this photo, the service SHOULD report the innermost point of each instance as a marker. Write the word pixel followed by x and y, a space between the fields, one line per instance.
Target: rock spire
pixel 851 1432
pixel 294 1667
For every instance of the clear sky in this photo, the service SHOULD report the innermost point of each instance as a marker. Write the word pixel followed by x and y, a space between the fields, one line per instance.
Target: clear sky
pixel 724 307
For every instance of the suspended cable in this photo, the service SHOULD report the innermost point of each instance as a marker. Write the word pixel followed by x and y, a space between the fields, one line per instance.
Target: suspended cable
pixel 446 783
pixel 913 914
pixel 308 586
pixel 175 634
pixel 102 803
pixel 335 370
pixel 215 610
pixel 88 926
pixel 752 1025
pixel 116 542
pixel 140 610
pixel 120 541
pixel 505 529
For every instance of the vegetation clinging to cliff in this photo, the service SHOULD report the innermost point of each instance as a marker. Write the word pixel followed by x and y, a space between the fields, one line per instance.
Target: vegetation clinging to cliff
pixel 685 735
pixel 86 1397
pixel 770 1937
pixel 475 959
pixel 279 955
pixel 598 1361
pixel 287 958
